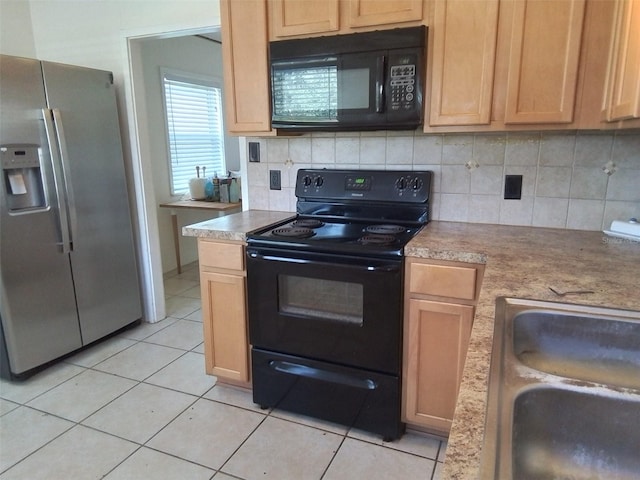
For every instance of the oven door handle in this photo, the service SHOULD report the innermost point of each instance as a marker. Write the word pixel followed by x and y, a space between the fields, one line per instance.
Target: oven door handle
pixel 385 267
pixel 317 374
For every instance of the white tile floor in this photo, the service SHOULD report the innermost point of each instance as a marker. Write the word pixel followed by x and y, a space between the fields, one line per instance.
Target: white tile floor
pixel 139 406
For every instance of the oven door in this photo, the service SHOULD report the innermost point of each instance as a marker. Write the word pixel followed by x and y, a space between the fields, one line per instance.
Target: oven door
pixel 345 310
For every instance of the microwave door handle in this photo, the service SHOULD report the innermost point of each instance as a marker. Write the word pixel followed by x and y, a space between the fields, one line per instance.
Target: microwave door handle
pixel 380 63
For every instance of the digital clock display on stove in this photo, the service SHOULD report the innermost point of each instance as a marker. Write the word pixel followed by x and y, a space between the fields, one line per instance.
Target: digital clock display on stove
pixel 357 183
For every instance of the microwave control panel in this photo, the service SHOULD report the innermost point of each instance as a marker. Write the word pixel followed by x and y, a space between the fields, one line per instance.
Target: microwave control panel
pixel 402 83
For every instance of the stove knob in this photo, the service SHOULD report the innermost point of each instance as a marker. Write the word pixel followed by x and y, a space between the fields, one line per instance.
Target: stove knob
pixel 416 184
pixel 319 181
pixel 401 183
pixel 306 181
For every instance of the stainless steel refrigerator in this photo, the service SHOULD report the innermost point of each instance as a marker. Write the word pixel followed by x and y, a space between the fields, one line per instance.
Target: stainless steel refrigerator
pixel 68 274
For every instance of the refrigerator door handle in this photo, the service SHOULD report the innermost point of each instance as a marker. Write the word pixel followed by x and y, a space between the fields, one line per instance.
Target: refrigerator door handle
pixel 64 157
pixel 65 238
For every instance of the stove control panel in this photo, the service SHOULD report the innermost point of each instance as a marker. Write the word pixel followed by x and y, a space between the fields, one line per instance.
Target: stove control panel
pixel 358 183
pixel 409 183
pixel 365 185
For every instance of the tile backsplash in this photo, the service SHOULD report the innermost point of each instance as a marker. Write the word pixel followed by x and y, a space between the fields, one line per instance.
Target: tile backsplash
pixel 570 180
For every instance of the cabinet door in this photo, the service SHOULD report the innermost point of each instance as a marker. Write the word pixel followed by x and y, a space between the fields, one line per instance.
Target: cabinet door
pixel 225 326
pixel 365 13
pixel 624 69
pixel 301 17
pixel 436 343
pixel 543 61
pixel 245 65
pixel 464 47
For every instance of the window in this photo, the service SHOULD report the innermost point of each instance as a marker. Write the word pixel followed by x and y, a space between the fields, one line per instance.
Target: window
pixel 194 128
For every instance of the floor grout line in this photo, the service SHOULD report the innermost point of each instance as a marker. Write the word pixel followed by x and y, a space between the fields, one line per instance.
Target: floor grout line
pixel 196 398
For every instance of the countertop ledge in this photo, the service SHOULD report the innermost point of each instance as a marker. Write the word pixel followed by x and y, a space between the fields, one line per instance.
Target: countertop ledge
pixel 235 227
pixel 520 262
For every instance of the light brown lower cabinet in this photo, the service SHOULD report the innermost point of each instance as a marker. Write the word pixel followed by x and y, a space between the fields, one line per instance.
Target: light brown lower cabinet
pixel 438 335
pixel 440 298
pixel 224 311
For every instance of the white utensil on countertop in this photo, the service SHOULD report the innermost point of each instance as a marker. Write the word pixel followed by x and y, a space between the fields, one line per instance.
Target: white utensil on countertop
pixel 625 229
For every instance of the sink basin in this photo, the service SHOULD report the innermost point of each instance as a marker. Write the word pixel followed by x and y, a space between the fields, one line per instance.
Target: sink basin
pixel 564 434
pixel 581 347
pixel 564 393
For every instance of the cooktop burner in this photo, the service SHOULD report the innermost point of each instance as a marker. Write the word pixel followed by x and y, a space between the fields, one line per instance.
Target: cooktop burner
pixel 293 232
pixel 307 223
pixel 385 229
pixel 377 239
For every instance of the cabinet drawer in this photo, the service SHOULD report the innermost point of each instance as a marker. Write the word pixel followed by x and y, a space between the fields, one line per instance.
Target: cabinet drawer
pixel 220 255
pixel 443 281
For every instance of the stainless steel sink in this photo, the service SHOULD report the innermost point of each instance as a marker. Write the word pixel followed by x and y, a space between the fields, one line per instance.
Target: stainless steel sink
pixel 559 433
pixel 579 346
pixel 564 393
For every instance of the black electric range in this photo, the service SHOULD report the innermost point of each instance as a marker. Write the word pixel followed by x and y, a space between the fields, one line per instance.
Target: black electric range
pixel 325 298
pixel 353 212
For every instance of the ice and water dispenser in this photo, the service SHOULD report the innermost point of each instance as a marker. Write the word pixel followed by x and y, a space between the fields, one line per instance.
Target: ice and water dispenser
pixel 22 176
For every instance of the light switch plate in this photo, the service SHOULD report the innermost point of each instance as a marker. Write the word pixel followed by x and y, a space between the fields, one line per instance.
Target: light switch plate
pixel 254 152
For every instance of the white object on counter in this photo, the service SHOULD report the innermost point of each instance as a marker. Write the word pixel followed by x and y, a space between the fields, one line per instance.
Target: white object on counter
pixel 224 192
pixel 197 188
pixel 234 191
pixel 625 229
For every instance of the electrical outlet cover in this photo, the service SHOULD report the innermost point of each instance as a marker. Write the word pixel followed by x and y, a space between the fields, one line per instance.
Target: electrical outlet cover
pixel 275 182
pixel 513 187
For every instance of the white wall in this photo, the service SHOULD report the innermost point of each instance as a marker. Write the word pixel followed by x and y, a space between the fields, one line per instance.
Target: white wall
pixel 192 55
pixel 94 34
pixel 16 34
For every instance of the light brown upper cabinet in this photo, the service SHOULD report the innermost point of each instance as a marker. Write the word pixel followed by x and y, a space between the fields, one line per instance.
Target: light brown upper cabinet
pixel 543 60
pixel 308 18
pixel 493 65
pixel 245 66
pixel 464 48
pixel 366 13
pixel 497 65
pixel 295 17
pixel 622 95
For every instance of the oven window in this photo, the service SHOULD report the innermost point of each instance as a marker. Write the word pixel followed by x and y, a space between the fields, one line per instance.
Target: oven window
pixel 321 299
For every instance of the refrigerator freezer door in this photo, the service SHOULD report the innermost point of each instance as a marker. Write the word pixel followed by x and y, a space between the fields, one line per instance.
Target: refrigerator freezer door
pixel 103 259
pixel 37 303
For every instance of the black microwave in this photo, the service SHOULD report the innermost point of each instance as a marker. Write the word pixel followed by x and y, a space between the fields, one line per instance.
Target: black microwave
pixel 361 81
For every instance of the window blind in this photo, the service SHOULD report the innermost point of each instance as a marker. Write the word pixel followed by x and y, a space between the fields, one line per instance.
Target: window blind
pixel 311 93
pixel 194 129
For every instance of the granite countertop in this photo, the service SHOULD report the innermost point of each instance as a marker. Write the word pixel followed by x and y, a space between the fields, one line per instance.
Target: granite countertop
pixel 235 226
pixel 521 262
